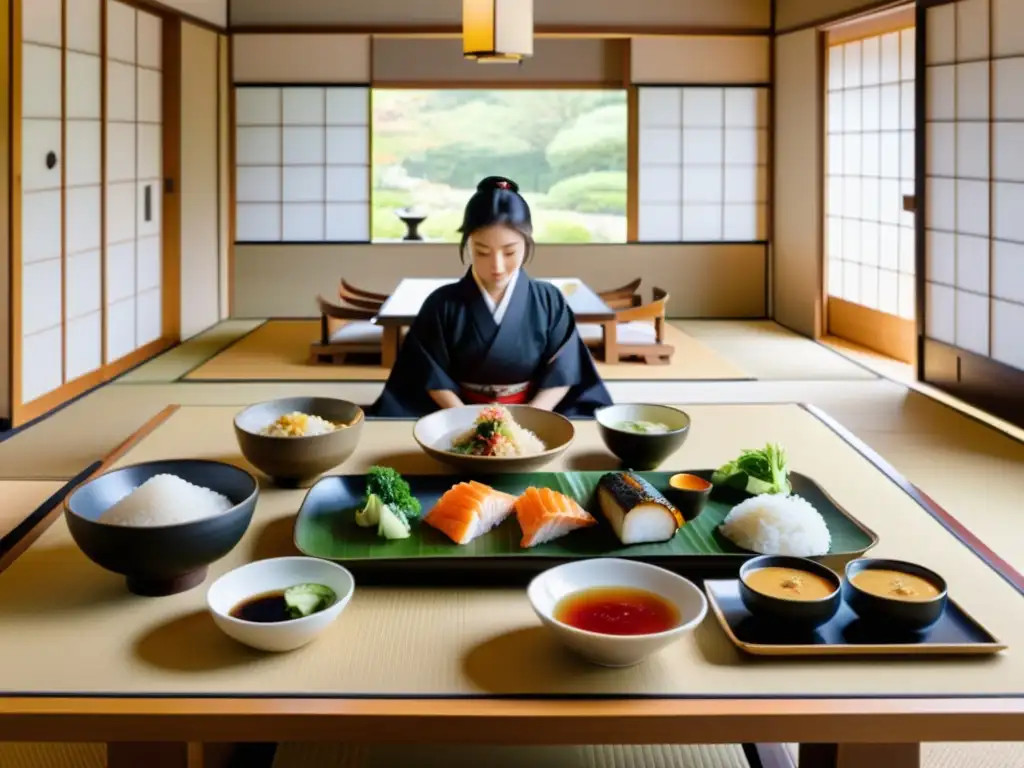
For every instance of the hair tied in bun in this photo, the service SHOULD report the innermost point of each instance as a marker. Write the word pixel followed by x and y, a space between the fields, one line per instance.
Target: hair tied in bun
pixel 493 183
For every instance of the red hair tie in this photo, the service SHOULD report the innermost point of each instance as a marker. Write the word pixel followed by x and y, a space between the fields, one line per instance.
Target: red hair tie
pixel 503 185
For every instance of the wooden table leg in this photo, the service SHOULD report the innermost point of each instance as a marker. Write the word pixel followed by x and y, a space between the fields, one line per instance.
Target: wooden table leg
pixel 859 756
pixel 389 346
pixel 170 754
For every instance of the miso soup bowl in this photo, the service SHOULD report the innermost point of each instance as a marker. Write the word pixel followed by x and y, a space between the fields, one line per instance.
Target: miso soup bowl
pixel 797 614
pixel 278 573
pixel 642 450
pixel 550 587
pixel 889 611
pixel 296 462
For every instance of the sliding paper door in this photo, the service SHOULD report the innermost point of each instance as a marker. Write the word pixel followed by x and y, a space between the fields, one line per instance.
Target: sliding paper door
pixel 83 192
pixel 134 169
pixel 973 335
pixel 42 160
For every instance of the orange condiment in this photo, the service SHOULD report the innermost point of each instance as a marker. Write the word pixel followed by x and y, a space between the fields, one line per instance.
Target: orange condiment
pixel 617 611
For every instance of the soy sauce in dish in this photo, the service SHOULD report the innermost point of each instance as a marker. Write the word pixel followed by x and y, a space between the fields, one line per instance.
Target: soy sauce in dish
pixel 267 608
pixel 617 611
pixel 284 604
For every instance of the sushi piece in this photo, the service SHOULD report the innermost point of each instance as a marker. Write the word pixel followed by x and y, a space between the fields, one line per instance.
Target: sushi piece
pixel 545 515
pixel 469 510
pixel 637 512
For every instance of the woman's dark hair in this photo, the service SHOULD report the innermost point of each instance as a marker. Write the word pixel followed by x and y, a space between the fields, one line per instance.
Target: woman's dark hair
pixel 497 201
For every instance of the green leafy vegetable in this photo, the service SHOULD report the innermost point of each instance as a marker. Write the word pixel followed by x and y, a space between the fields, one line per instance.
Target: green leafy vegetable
pixel 757 472
pixel 392 490
pixel 393 525
pixel 306 599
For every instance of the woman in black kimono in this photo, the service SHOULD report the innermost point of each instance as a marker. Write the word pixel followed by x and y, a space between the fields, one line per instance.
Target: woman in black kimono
pixel 496 335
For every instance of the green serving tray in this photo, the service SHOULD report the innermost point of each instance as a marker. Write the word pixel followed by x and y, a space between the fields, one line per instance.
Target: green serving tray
pixel 325 527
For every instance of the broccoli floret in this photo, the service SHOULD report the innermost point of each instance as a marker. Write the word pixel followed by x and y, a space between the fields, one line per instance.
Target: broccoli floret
pixel 393 491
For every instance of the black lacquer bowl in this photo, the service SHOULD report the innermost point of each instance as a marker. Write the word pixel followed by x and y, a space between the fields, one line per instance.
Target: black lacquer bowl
pixel 642 451
pixel 161 560
pixel 893 613
pixel 786 613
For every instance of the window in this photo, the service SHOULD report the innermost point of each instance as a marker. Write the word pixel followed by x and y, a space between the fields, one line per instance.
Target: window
pixel 567 150
pixel 870 241
pixel 302 164
pixel 703 154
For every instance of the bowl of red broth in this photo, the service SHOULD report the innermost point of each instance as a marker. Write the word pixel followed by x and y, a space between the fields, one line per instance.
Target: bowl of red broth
pixel 616 612
pixel 281 603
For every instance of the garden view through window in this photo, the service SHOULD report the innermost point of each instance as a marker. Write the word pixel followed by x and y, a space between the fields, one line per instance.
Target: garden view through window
pixel 565 149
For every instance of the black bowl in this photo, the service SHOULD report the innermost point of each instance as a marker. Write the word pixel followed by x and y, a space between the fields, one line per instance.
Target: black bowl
pixel 691 499
pixel 894 613
pixel 798 614
pixel 161 560
pixel 642 450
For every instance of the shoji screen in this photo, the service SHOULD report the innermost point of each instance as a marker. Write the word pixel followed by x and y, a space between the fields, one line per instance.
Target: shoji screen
pixel 870 124
pixel 83 293
pixel 134 170
pixel 303 164
pixel 703 164
pixel 42 160
pixel 974 244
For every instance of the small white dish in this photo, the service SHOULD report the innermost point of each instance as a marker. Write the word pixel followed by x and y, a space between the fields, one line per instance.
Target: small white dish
pixel 278 573
pixel 548 589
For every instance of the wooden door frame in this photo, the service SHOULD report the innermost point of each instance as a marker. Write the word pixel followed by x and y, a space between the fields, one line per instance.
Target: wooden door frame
pixel 887 334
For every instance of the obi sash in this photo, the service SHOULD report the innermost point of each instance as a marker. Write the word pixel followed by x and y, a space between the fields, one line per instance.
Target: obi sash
pixel 506 394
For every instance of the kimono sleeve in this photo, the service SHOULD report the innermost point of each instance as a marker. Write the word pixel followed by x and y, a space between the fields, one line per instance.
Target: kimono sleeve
pixel 566 356
pixel 424 360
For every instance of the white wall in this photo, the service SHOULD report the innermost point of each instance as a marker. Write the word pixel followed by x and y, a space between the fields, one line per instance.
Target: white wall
pixel 797 246
pixel 702 280
pixel 200 212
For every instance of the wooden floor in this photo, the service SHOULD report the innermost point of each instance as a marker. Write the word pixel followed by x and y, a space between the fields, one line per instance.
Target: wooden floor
pixel 966 461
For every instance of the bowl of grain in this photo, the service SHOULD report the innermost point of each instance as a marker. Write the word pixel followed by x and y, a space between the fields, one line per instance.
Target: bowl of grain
pixel 294 440
pixel 160 524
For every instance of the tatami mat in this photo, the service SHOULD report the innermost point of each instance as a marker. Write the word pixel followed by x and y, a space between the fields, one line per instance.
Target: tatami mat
pixel 766 350
pixel 19 499
pixel 400 756
pixel 279 351
pixel 178 361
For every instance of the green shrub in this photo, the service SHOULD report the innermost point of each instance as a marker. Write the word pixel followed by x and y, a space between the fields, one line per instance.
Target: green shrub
pixel 563 231
pixel 392 199
pixel 384 225
pixel 595 141
pixel 597 192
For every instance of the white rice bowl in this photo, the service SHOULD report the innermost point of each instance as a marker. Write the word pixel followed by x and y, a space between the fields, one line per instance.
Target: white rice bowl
pixel 773 524
pixel 166 499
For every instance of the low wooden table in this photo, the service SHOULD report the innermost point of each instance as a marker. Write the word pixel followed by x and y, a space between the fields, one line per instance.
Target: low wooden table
pixel 83 660
pixel 401 309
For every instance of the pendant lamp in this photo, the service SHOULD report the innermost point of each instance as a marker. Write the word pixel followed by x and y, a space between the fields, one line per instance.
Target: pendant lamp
pixel 497 31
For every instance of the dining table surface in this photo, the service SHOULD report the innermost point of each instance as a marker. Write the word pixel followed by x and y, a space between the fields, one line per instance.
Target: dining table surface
pixel 404 304
pixel 84 660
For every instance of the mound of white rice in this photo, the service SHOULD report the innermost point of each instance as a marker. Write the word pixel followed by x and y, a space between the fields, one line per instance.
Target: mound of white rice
pixel 773 524
pixel 166 500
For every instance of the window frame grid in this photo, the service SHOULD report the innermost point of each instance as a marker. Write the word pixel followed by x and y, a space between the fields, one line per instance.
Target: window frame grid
pixel 762 203
pixel 897 79
pixel 281 166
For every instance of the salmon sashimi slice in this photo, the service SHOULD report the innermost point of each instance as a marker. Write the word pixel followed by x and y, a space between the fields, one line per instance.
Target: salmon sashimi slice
pixel 468 510
pixel 545 515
